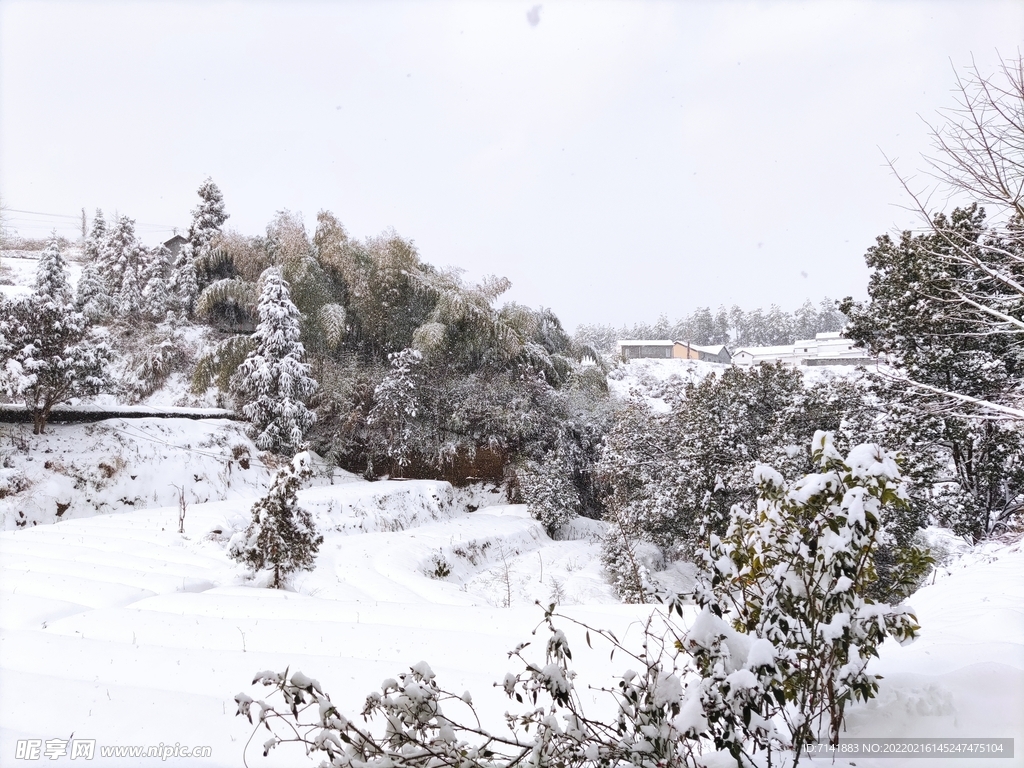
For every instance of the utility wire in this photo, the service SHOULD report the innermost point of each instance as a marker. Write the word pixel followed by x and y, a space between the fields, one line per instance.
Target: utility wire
pixel 78 218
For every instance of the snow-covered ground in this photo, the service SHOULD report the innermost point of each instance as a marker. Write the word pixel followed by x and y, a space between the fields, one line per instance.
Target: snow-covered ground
pixel 117 628
pixel 118 465
pixel 18 271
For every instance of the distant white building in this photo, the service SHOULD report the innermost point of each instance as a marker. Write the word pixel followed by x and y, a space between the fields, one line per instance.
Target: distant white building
pixel 754 355
pixel 633 349
pixel 823 349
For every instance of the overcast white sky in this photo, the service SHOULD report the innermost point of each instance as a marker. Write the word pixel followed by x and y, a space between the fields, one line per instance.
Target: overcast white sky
pixel 614 160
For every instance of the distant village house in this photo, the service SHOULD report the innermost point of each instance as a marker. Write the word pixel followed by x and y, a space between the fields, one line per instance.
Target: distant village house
pixel 174 244
pixel 633 349
pixel 823 349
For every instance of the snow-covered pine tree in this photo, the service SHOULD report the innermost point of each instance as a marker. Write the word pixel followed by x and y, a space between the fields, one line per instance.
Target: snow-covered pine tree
pixel 49 358
pixel 128 302
pixel 51 281
pixel 93 296
pixel 156 299
pixel 392 420
pixel 208 217
pixel 94 241
pixel 273 383
pixel 122 259
pixel 282 536
pixel 184 283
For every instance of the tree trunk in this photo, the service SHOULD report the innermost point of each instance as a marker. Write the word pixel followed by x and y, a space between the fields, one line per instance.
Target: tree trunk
pixel 38 423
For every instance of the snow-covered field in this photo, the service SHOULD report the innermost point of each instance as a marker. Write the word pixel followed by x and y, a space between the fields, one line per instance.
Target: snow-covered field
pixel 117 628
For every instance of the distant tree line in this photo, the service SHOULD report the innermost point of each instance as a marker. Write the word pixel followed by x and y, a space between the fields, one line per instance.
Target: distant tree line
pixel 733 327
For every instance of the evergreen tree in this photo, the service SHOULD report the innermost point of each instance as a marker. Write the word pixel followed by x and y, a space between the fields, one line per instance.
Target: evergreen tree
pixel 94 241
pixel 187 278
pixel 128 302
pixel 184 283
pixel 548 490
pixel 92 298
pixel 281 536
pixel 395 407
pixel 273 383
pixel 941 343
pixel 156 299
pixel 121 262
pixel 49 357
pixel 208 217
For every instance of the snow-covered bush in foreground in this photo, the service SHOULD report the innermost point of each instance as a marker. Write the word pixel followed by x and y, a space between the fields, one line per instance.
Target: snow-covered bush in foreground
pixel 779 647
pixel 282 537
pixel 792 577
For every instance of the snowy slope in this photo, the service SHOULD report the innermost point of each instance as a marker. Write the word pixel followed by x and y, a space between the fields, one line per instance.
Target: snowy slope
pixel 119 629
pixel 18 271
pixel 77 470
pixel 141 635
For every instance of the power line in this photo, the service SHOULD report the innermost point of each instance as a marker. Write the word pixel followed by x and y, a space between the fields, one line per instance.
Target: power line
pixel 38 213
pixel 78 218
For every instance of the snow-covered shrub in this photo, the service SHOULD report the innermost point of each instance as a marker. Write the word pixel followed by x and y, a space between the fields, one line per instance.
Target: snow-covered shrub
pixel 623 559
pixel 273 382
pixel 282 537
pixel 151 360
pixel 413 722
pixel 673 477
pixel 547 489
pixel 796 571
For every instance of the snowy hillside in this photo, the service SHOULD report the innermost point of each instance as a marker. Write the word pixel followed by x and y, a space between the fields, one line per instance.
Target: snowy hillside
pixel 18 269
pixel 119 465
pixel 144 635
pixel 119 629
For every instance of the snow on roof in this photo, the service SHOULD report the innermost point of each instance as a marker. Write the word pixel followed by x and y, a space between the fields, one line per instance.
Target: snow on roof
pixel 716 350
pixel 646 342
pixel 786 349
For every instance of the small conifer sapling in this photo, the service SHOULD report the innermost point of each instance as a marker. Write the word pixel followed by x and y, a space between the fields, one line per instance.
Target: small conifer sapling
pixel 282 537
